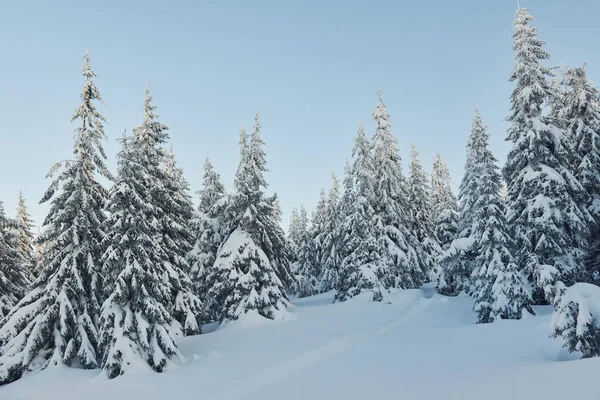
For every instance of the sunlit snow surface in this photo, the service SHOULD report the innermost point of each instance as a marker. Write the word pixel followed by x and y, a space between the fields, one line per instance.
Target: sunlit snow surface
pixel 420 345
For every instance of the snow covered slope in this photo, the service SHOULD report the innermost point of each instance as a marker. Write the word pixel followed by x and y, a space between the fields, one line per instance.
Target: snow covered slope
pixel 421 346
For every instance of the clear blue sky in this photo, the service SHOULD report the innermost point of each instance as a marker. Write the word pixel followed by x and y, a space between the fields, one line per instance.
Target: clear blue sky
pixel 310 68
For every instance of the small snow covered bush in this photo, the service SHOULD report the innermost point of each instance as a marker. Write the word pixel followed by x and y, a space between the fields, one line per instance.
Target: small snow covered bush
pixel 576 319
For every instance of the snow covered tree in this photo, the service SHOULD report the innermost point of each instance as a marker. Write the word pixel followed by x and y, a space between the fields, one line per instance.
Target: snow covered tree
pixel 307 282
pixel 57 321
pixel 499 287
pixel 361 262
pixel 459 261
pixel 252 268
pixel 317 231
pixel 210 226
pixel 330 257
pixel 419 205
pixel 548 225
pixel 294 233
pixel 398 246
pixel 576 319
pixel 25 237
pixel 444 204
pixel 135 320
pixel 13 273
pixel 582 120
pixel 172 211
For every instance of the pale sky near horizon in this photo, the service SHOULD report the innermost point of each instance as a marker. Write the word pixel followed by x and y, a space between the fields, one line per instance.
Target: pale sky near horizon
pixel 311 69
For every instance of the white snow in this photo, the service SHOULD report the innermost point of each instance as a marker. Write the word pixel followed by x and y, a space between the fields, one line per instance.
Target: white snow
pixel 420 345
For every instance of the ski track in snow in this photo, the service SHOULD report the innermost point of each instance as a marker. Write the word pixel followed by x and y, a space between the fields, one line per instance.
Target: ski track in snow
pixel 264 377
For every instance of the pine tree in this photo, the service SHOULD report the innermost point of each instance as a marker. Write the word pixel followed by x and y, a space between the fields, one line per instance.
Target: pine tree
pixel 252 266
pixel 135 321
pixel 171 217
pixel 57 321
pixel 209 225
pixel 399 247
pixel 444 204
pixel 307 282
pixel 422 226
pixel 362 261
pixel 13 273
pixel 25 237
pixel 459 261
pixel 549 227
pixel 499 287
pixel 330 257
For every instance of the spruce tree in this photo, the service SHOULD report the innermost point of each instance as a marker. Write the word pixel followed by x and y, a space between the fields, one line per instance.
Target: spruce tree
pixel 361 262
pixel 294 234
pixel 419 203
pixel 57 321
pixel 171 217
pixel 444 204
pixel 330 243
pixel 209 226
pixel 136 320
pixel 398 246
pixel 499 287
pixel 14 277
pixel 582 117
pixel 459 261
pixel 318 232
pixel 25 237
pixel 307 282
pixel 251 269
pixel 549 226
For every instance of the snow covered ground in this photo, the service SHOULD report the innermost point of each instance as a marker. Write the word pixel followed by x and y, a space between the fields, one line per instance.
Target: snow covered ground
pixel 421 346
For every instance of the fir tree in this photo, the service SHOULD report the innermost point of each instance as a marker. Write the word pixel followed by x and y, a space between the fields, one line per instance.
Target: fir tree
pixel 56 322
pixel 548 225
pixel 582 118
pixel 422 226
pixel 209 225
pixel 13 273
pixel 252 265
pixel 459 262
pixel 25 237
pixel 307 282
pixel 398 246
pixel 171 217
pixel 444 204
pixel 294 234
pixel 330 243
pixel 360 248
pixel 318 232
pixel 136 320
pixel 499 287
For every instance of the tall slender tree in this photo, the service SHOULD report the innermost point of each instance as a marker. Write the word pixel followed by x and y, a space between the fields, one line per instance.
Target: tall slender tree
pixel 171 216
pixel 14 277
pixel 307 281
pixel 252 266
pixel 544 214
pixel 459 262
pixel 582 120
pixel 444 204
pixel 210 229
pixel 499 287
pixel 136 322
pixel 399 247
pixel 56 323
pixel 330 245
pixel 25 237
pixel 360 266
pixel 419 205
